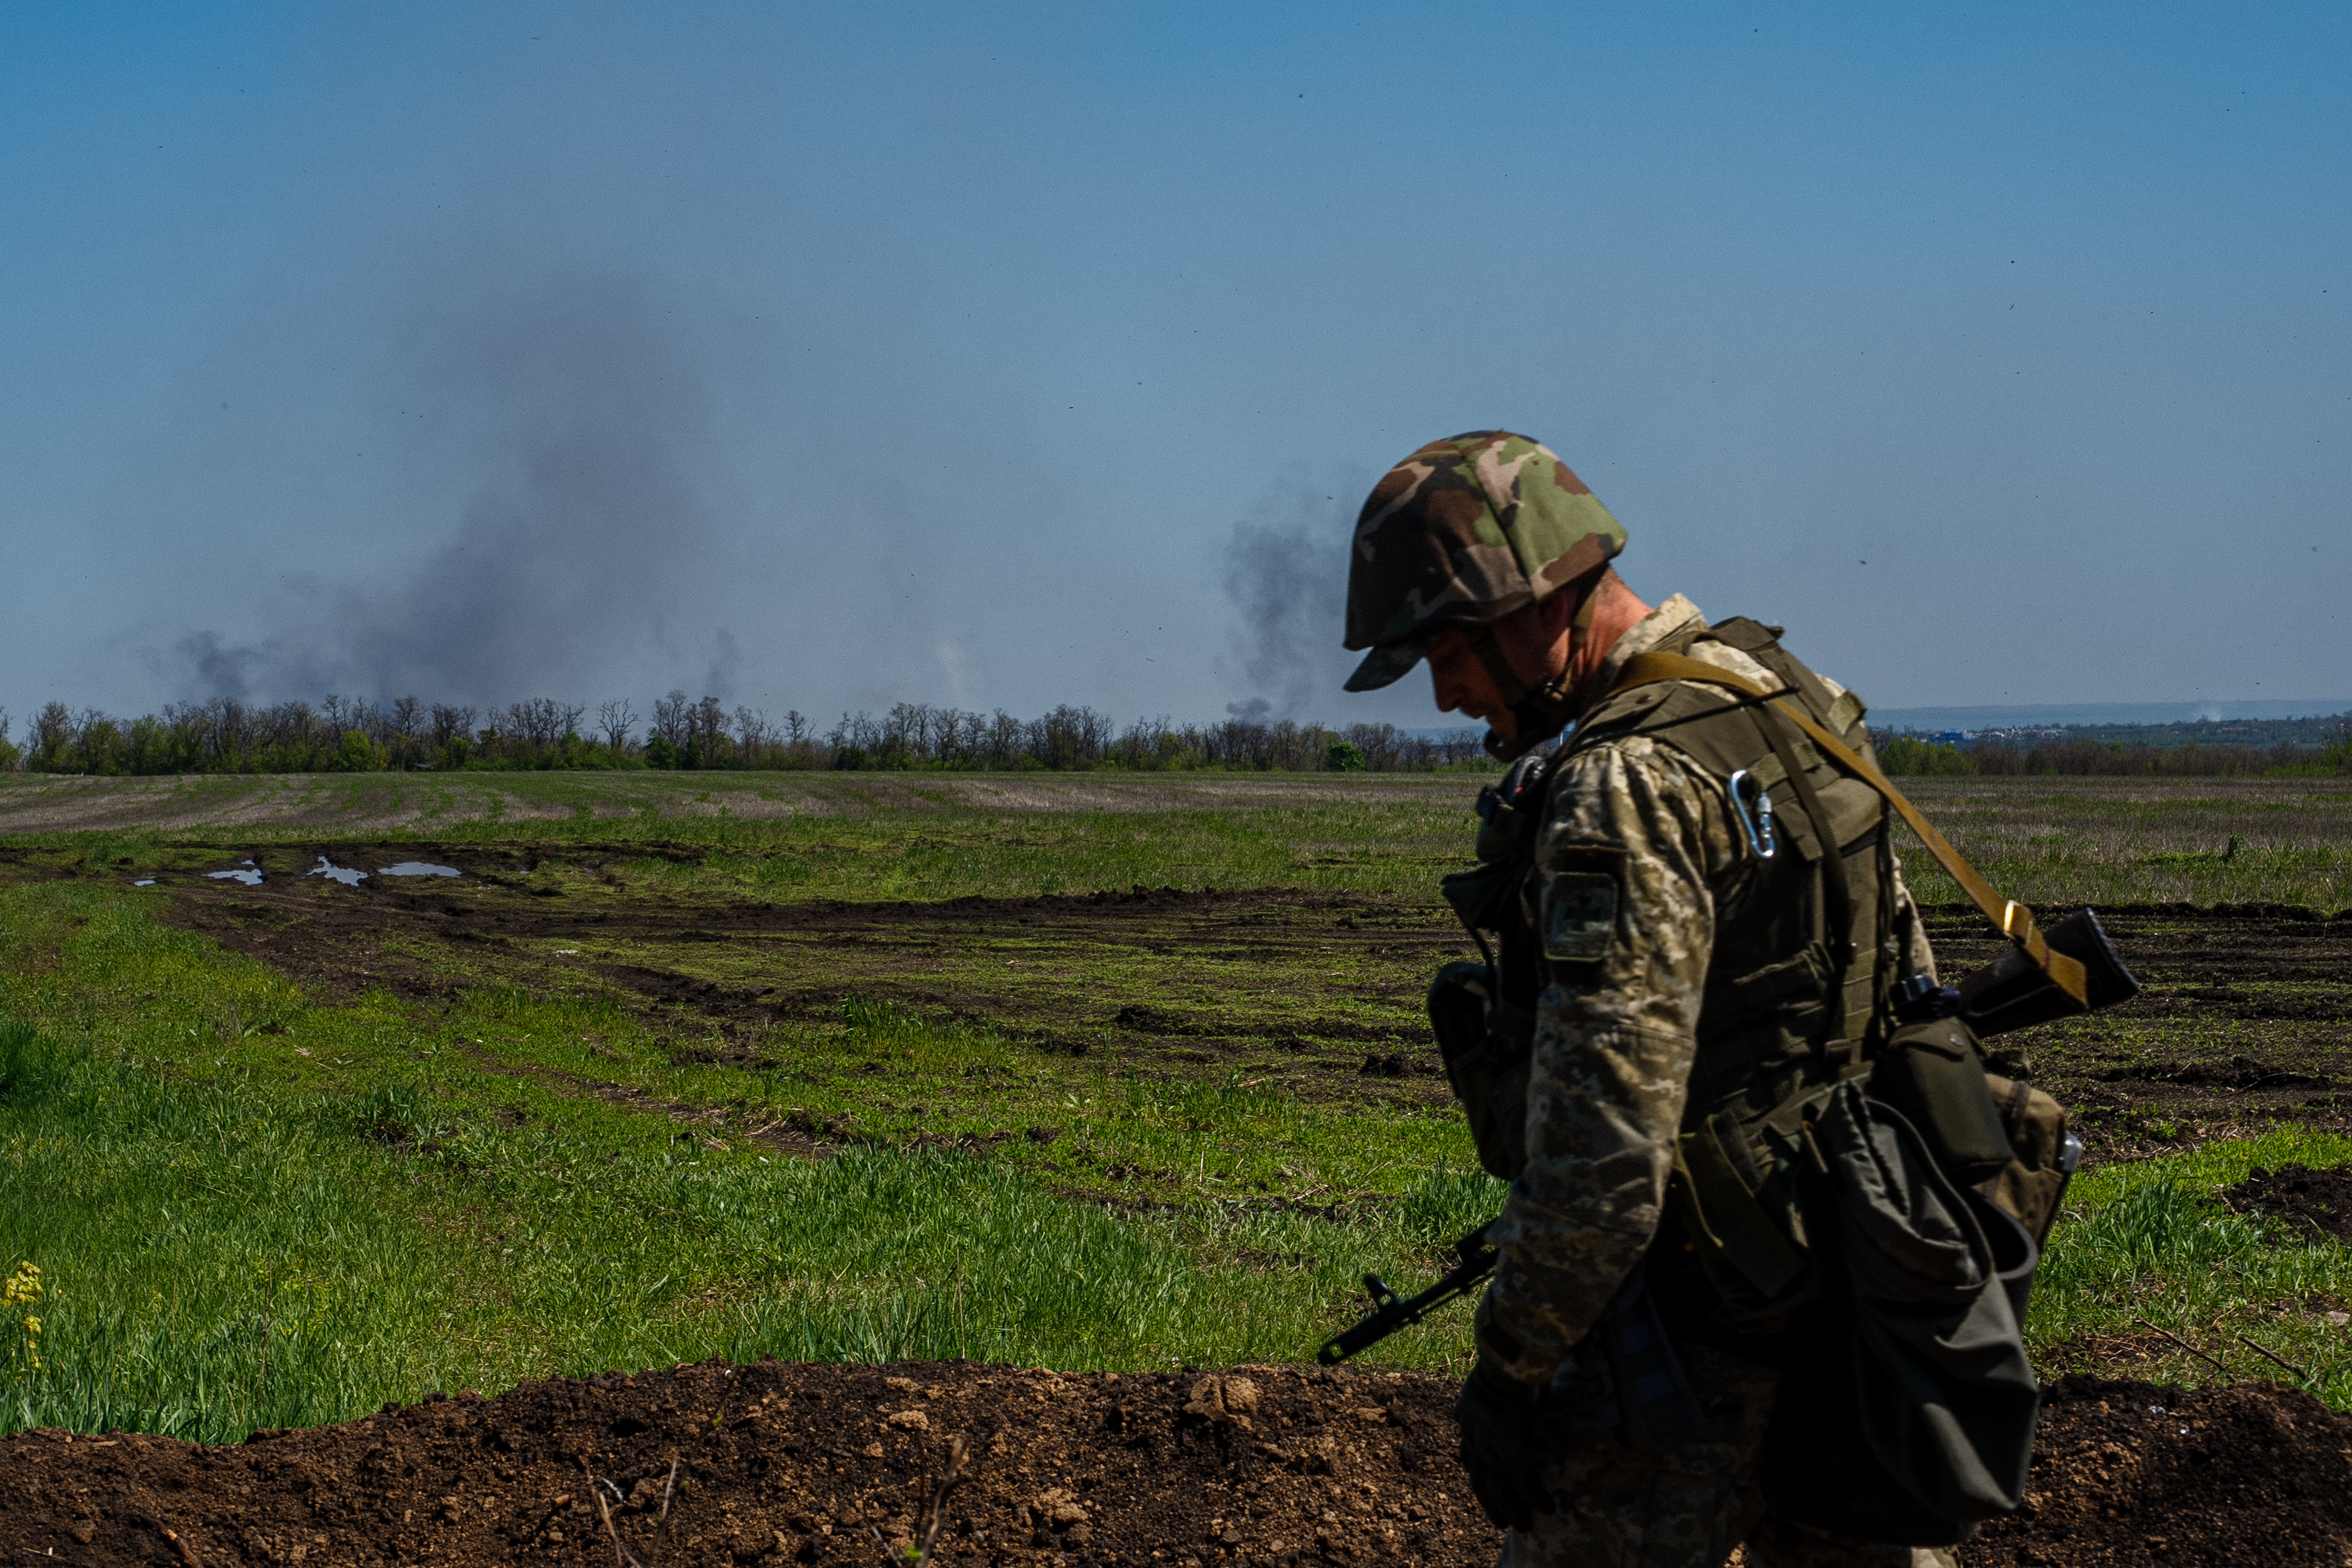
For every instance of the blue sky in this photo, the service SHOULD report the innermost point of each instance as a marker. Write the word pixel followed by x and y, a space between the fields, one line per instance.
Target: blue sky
pixel 829 357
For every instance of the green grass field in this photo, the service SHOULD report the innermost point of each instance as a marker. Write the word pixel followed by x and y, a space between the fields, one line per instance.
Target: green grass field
pixel 268 1184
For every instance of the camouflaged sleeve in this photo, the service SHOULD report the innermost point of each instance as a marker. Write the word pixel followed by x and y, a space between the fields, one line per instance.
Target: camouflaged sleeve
pixel 1638 855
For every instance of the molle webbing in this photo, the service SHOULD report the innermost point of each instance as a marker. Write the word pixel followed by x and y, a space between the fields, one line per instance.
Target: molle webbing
pixel 2010 917
pixel 1837 898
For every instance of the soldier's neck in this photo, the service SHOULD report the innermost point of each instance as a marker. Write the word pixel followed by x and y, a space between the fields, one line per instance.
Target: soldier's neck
pixel 1616 610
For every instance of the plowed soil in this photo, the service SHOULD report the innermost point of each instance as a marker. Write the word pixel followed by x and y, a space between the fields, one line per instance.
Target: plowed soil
pixel 1060 971
pixel 2244 1018
pixel 791 1464
pixel 2242 1022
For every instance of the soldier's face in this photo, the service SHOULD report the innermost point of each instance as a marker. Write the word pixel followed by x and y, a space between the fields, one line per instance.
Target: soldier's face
pixel 1534 642
pixel 1460 680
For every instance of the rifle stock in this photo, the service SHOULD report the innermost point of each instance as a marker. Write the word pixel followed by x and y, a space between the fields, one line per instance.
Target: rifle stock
pixel 1391 1312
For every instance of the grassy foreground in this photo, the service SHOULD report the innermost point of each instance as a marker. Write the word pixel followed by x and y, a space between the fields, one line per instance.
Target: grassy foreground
pixel 255 1206
pixel 249 1210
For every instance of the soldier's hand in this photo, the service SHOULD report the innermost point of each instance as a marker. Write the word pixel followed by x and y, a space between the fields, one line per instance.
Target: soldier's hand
pixel 1505 1441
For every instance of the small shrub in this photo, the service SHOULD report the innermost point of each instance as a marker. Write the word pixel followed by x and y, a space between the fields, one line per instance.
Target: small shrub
pixel 357 754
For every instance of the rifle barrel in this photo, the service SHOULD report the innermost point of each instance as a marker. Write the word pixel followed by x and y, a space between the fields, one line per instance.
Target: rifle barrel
pixel 1394 1314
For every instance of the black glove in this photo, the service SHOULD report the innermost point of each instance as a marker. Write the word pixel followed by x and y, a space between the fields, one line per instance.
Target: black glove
pixel 1505 1437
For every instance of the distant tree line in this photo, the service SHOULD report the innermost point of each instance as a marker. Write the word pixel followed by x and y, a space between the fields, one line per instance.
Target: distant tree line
pixel 353 734
pixel 1909 755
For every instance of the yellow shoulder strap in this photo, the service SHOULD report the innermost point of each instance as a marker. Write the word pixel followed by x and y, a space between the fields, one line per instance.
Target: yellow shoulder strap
pixel 2013 919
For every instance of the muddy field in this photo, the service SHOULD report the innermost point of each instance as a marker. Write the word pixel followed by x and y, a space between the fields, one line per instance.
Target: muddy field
pixel 2242 1020
pixel 791 1463
pixel 2243 1023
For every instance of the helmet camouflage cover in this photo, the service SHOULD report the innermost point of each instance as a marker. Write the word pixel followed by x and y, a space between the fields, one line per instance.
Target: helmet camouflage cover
pixel 1465 531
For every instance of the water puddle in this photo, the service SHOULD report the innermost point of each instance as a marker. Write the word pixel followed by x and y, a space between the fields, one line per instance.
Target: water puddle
pixel 247 873
pixel 417 868
pixel 348 875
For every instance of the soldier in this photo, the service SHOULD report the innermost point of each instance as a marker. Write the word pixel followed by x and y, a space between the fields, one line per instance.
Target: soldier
pixel 1669 952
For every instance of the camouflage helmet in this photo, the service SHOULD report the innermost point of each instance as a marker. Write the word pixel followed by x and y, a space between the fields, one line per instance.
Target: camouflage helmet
pixel 1462 532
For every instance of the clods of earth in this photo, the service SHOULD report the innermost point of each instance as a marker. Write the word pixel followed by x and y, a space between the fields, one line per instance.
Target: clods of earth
pixel 2313 1202
pixel 777 1463
pixel 2137 1475
pixel 783 1463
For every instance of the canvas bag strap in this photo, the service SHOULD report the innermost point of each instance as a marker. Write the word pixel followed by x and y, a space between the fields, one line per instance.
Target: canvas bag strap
pixel 2010 917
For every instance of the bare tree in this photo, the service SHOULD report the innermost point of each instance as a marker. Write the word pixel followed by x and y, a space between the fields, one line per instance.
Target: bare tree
pixel 53 731
pixel 450 723
pixel 710 723
pixel 750 734
pixel 673 718
pixel 614 718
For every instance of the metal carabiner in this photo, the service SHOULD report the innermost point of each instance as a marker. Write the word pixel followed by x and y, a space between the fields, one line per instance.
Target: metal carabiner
pixel 1754 820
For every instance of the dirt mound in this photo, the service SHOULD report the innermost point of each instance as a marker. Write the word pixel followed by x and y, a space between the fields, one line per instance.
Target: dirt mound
pixel 777 1463
pixel 2132 1473
pixel 2320 1200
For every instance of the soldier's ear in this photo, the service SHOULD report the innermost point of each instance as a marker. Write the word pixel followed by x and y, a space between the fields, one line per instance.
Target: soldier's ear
pixel 1567 603
pixel 1559 610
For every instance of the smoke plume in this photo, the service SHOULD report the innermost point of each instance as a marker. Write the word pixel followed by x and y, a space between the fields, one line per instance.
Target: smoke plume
pixel 574 410
pixel 1285 570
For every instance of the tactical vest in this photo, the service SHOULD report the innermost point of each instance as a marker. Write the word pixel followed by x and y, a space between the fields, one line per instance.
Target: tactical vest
pixel 1919 1402
pixel 1800 990
pixel 1799 986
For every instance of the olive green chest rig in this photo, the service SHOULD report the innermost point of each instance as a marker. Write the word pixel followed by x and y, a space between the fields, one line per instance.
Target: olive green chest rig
pixel 1802 975
pixel 1804 987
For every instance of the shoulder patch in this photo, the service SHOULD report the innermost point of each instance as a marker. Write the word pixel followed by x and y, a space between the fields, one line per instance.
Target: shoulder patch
pixel 1579 904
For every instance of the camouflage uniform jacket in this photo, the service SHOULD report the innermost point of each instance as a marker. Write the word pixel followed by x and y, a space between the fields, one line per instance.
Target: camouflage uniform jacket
pixel 1612 1058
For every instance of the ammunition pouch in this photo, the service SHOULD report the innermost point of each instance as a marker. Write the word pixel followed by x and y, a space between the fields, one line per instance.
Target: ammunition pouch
pixel 1487 1047
pixel 1733 1193
pixel 2002 1138
pixel 1734 1187
pixel 1930 1073
pixel 2033 1185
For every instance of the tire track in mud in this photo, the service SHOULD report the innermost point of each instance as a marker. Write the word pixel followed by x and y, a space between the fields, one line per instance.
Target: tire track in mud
pixel 1027 966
